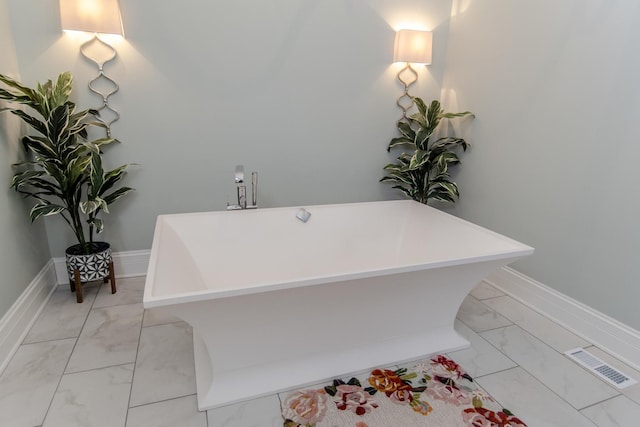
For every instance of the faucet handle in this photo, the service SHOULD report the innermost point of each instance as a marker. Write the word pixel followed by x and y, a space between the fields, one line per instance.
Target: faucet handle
pixel 239 176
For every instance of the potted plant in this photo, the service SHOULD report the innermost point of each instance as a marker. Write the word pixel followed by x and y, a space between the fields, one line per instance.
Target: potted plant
pixel 64 172
pixel 423 173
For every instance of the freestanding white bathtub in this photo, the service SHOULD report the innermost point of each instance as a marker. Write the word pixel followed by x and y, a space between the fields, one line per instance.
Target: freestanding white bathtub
pixel 276 303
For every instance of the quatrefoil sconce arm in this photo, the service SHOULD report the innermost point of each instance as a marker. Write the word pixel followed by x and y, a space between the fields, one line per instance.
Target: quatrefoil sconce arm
pixel 411 47
pixel 97 17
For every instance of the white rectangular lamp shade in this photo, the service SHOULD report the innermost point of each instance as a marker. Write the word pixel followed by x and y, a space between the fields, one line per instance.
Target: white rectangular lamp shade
pixel 413 46
pixel 94 16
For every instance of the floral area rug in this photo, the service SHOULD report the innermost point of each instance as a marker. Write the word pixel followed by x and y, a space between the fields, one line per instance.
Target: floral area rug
pixel 434 392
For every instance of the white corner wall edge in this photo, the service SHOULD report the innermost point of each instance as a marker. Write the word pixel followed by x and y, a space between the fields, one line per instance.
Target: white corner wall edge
pixel 16 322
pixel 126 264
pixel 610 335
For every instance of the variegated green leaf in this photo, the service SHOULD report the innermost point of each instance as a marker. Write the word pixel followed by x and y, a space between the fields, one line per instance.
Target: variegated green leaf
pixel 89 206
pixel 53 170
pixel 96 175
pixel 31 121
pixel 40 146
pixel 420 157
pixel 418 121
pixel 28 95
pixel 406 191
pixel 104 141
pixel 111 178
pixel 77 169
pixel 402 140
pixel 22 178
pixel 97 224
pixel 62 89
pixel 74 151
pixel 422 138
pixel 454 115
pixel 433 114
pixel 451 187
pixel 420 105
pixel 405 130
pixel 397 178
pixel 45 210
pixel 444 159
pixel 393 166
pixel 120 192
pixel 448 142
pixel 57 124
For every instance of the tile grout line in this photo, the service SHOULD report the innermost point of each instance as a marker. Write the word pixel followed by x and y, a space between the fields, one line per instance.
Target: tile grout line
pixel 71 353
pixel 161 324
pixel 98 368
pixel 164 400
pixel 279 404
pixel 605 400
pixel 133 374
pixel 46 341
pixel 484 330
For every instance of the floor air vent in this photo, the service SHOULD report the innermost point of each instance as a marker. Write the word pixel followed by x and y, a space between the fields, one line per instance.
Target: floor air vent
pixel 601 369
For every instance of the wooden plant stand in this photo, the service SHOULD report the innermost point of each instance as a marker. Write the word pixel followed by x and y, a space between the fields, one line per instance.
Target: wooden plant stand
pixel 76 284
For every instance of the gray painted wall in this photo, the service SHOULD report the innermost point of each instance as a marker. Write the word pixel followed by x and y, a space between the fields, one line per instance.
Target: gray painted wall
pixel 23 248
pixel 302 92
pixel 556 145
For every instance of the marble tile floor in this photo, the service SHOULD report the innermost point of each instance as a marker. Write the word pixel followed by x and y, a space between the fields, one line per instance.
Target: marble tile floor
pixel 108 362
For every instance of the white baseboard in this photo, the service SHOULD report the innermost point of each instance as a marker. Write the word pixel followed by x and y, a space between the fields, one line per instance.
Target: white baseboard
pixel 613 336
pixel 15 324
pixel 126 264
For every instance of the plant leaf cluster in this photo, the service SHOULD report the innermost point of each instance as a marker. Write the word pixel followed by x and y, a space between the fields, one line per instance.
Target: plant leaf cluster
pixel 64 173
pixel 423 174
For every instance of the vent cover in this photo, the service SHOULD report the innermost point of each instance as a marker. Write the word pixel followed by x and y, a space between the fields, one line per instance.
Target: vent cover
pixel 601 369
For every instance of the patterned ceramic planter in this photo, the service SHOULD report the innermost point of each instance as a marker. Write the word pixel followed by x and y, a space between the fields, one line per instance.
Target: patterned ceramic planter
pixel 83 267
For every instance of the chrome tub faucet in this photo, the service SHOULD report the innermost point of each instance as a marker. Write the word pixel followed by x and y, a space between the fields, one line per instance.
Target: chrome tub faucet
pixel 242 190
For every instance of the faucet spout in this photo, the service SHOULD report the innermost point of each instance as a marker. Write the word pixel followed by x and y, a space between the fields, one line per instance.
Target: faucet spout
pixel 239 177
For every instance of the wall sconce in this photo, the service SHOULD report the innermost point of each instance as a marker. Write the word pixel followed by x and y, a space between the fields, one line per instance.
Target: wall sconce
pixel 97 17
pixel 411 46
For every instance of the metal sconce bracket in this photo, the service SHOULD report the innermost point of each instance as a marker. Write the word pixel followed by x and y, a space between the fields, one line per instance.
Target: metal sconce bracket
pixel 102 78
pixel 413 75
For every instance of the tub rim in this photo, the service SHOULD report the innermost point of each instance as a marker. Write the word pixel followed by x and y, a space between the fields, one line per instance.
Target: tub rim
pixel 151 301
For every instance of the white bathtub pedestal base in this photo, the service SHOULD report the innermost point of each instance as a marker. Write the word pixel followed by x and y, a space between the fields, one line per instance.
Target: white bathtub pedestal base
pixel 258 344
pixel 249 383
